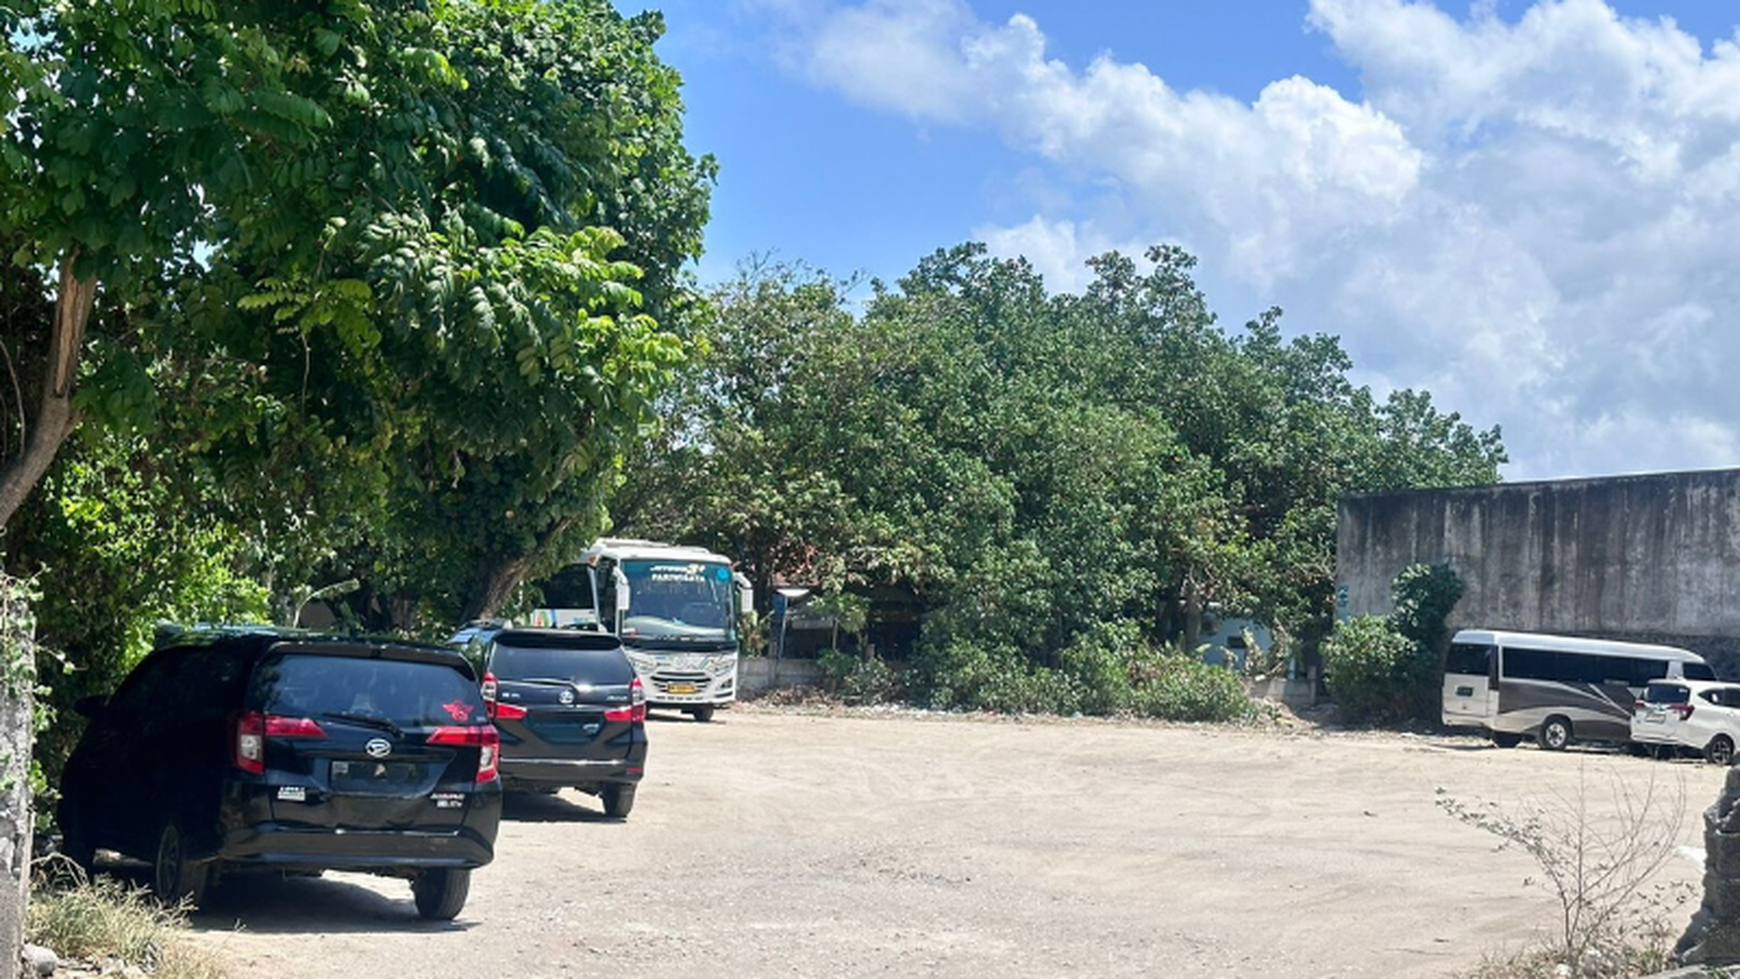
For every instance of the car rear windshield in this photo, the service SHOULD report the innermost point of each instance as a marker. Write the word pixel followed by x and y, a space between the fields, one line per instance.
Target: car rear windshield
pixel 541 663
pixel 1666 693
pixel 409 693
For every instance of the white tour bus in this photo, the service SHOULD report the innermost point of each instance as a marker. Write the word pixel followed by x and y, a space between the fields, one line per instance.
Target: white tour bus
pixel 675 609
pixel 1556 689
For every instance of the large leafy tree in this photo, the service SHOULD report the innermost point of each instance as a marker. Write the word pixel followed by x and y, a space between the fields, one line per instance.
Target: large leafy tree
pixel 1027 465
pixel 401 278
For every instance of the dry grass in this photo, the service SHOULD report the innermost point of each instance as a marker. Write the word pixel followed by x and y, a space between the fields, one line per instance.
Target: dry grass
pixel 99 919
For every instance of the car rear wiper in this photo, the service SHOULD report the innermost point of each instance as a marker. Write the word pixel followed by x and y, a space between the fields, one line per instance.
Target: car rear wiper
pixel 377 721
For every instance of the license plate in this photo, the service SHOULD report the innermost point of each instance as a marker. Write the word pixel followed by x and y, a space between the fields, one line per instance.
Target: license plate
pixel 682 688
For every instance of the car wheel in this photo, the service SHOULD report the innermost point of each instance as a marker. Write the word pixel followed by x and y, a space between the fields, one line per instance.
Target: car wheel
pixel 702 714
pixel 441 894
pixel 1555 734
pixel 618 800
pixel 176 879
pixel 1720 750
pixel 1504 740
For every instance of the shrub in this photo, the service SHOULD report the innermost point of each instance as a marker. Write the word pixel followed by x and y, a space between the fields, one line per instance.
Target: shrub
pixel 1184 688
pixel 1373 672
pixel 1595 856
pixel 859 679
pixel 1098 664
pixel 976 676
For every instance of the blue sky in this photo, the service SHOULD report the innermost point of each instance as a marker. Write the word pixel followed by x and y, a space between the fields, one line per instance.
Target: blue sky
pixel 1531 209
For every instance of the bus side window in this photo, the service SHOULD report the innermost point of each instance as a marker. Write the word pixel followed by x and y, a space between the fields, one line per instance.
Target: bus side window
pixel 1645 670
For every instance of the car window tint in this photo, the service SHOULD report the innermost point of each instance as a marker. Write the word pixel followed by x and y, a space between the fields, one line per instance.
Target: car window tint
pixel 586 665
pixel 1644 670
pixel 407 692
pixel 1699 671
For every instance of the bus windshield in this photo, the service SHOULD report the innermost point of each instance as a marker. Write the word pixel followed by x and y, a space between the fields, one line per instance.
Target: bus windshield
pixel 683 600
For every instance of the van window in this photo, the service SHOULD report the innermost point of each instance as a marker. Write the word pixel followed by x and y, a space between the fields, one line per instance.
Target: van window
pixel 1529 664
pixel 1468 657
pixel 1699 671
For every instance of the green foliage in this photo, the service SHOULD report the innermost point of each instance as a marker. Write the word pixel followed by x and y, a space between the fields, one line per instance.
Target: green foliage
pixel 117 546
pixel 859 679
pixel 1184 688
pixel 1374 673
pixel 1387 668
pixel 1425 595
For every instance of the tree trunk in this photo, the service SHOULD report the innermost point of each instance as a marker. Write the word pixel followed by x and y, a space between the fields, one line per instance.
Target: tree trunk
pixel 55 418
pixel 495 584
pixel 18 668
pixel 1192 595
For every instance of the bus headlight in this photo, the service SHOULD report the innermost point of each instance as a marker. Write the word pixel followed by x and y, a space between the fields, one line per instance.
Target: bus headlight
pixel 721 665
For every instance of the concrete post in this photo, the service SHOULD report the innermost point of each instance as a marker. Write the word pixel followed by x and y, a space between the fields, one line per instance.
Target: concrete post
pixel 17 695
pixel 1713 937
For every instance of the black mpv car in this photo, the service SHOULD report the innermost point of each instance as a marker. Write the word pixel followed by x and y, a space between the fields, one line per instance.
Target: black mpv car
pixel 238 750
pixel 571 713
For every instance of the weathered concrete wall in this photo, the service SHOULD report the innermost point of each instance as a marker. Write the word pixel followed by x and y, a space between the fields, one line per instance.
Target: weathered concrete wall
pixel 1653 558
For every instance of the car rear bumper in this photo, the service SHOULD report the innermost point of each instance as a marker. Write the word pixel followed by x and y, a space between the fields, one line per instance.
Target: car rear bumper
pixel 278 846
pixel 570 771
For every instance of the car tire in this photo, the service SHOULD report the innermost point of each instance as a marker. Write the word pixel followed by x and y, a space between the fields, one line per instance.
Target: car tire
pixel 618 800
pixel 175 879
pixel 702 714
pixel 1720 750
pixel 1506 740
pixel 441 894
pixel 1555 734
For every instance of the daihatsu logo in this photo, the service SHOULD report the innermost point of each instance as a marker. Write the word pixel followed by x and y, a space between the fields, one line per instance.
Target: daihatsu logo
pixel 378 747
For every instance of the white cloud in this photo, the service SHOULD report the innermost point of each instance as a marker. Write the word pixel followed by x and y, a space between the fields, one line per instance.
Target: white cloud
pixel 1536 219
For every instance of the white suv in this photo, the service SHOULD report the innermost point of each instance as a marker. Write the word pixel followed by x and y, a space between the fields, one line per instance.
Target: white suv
pixel 1703 715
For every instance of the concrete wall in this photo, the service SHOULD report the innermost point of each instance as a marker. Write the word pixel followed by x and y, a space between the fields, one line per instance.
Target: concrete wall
pixel 1652 557
pixel 758 673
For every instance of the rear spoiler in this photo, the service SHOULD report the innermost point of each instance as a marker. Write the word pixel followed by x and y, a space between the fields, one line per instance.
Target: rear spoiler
pixel 557 639
pixel 375 650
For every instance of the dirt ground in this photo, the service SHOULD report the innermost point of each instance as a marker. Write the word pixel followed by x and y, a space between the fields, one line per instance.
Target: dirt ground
pixel 774 843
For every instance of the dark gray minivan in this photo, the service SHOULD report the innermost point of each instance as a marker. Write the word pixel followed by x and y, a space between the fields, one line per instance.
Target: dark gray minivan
pixel 245 750
pixel 571 712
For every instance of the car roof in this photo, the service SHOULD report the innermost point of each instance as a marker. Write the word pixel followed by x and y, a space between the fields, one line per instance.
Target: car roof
pixel 1574 644
pixel 583 639
pixel 257 641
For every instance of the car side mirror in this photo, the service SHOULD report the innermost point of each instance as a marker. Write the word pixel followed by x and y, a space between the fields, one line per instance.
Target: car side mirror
pixel 91 707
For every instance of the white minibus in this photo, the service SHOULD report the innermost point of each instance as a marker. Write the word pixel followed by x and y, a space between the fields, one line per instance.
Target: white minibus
pixel 1556 689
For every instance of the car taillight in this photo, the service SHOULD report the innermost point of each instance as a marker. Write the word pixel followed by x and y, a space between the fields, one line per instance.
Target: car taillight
pixel 490 689
pixel 248 750
pixel 1638 705
pixel 249 745
pixel 485 739
pixel 512 712
pixel 1684 710
pixel 636 711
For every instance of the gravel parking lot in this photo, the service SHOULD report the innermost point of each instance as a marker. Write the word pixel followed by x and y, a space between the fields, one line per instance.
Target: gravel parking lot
pixel 787 843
